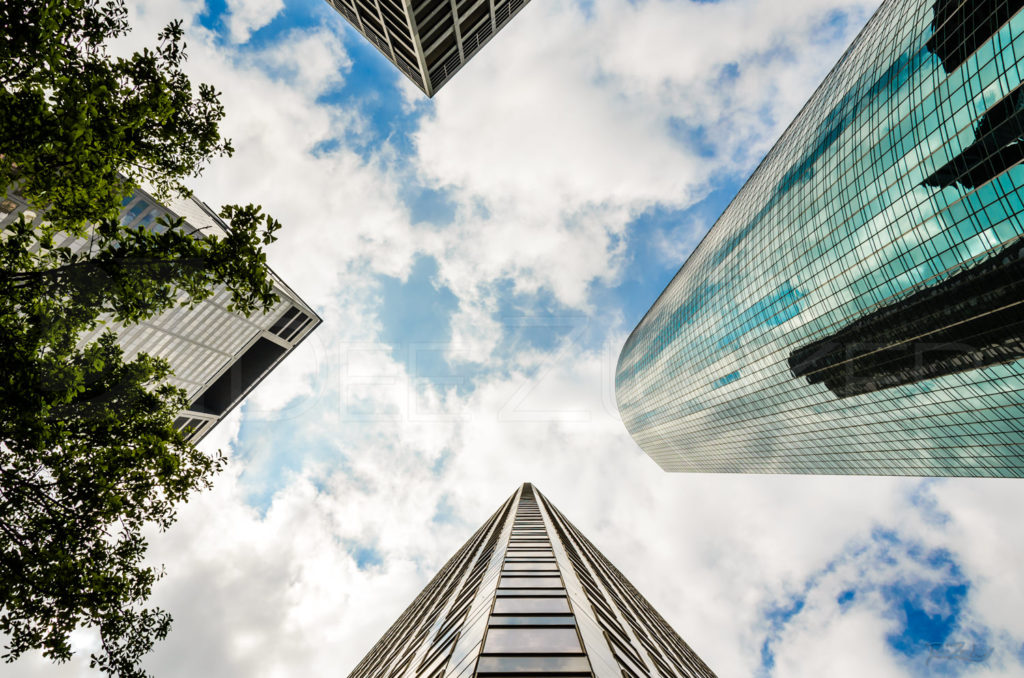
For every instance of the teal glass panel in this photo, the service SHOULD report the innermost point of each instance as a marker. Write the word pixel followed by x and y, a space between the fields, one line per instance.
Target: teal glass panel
pixel 859 306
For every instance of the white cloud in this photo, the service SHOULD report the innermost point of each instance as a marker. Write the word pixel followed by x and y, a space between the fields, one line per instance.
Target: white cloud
pixel 562 128
pixel 248 16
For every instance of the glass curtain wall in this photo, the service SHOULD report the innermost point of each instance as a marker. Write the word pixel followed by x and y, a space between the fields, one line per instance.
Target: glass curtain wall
pixel 857 309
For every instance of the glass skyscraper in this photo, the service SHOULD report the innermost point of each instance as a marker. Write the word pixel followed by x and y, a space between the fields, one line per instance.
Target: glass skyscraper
pixel 528 595
pixel 857 309
pixel 428 40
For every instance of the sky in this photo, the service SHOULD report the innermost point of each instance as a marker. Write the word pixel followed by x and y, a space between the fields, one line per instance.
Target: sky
pixel 478 260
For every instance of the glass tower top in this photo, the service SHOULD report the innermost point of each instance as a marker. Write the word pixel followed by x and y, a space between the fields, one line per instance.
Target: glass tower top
pixel 528 595
pixel 857 309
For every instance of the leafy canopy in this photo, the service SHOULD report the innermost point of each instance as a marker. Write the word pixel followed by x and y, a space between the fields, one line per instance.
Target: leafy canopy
pixel 79 128
pixel 89 453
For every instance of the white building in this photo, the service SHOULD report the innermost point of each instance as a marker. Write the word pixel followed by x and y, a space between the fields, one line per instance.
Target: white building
pixel 218 356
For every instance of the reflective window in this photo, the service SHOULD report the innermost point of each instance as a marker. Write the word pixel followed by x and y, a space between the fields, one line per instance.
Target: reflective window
pixel 530 640
pixel 531 582
pixel 536 593
pixel 540 566
pixel 516 664
pixel 560 620
pixel 531 605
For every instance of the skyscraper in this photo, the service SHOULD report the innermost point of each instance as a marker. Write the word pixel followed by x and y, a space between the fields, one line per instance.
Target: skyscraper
pixel 857 309
pixel 429 40
pixel 218 356
pixel 528 595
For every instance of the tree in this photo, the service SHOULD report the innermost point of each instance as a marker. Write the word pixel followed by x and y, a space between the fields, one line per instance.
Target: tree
pixel 79 128
pixel 74 495
pixel 89 453
pixel 132 274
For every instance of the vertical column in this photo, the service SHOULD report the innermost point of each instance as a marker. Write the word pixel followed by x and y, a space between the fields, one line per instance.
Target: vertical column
pixel 531 629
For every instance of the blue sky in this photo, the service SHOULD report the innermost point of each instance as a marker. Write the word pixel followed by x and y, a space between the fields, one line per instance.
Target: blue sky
pixel 478 260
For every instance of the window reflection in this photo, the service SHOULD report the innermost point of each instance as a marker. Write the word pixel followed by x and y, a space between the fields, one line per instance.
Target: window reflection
pixel 514 664
pixel 531 605
pixel 530 640
pixel 534 593
pixel 538 566
pixel 546 620
pixel 531 582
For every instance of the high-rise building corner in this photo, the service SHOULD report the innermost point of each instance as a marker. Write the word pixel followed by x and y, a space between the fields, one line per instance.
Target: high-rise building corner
pixel 428 40
pixel 530 596
pixel 217 355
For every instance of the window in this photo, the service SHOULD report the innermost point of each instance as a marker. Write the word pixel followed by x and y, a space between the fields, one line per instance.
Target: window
pixel 290 324
pixel 133 213
pixel 549 620
pixel 526 664
pixel 531 582
pixel 539 566
pixel 532 640
pixel 531 593
pixel 531 606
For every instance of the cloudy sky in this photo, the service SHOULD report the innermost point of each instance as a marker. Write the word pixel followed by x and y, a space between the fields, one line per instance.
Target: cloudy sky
pixel 478 260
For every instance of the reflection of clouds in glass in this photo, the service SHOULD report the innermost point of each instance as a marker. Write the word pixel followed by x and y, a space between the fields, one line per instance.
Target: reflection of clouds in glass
pixel 835 232
pixel 532 640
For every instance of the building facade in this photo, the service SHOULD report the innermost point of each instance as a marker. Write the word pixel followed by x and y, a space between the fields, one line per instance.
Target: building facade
pixel 857 309
pixel 528 595
pixel 428 40
pixel 218 356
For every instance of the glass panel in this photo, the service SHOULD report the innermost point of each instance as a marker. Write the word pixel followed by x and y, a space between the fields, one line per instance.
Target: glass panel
pixel 531 605
pixel 512 553
pixel 531 582
pixel 533 665
pixel 562 620
pixel 548 566
pixel 531 640
pixel 531 592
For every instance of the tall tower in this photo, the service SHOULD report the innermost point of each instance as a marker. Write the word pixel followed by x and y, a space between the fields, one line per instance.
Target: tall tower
pixel 528 595
pixel 218 355
pixel 859 307
pixel 428 40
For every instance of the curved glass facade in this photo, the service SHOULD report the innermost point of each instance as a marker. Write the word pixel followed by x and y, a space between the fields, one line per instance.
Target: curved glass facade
pixel 857 309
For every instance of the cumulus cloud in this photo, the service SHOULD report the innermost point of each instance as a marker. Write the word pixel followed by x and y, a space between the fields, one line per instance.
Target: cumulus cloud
pixel 247 16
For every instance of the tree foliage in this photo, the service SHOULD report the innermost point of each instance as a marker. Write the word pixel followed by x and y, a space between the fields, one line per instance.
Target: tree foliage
pixel 80 128
pixel 89 453
pixel 75 495
pixel 88 449
pixel 132 274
